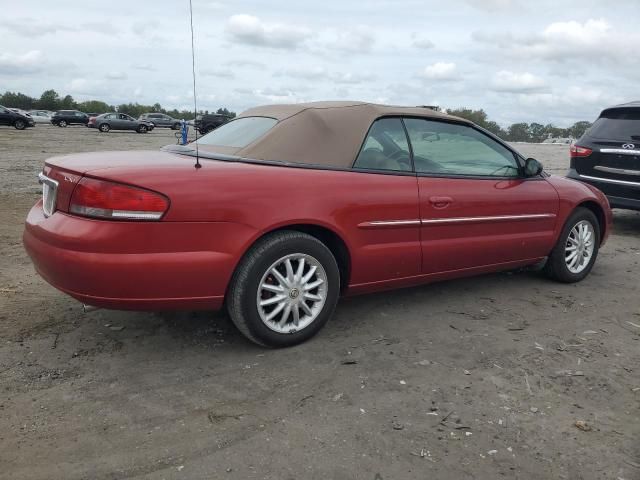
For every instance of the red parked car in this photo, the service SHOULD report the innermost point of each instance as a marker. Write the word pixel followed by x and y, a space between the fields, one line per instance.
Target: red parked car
pixel 282 210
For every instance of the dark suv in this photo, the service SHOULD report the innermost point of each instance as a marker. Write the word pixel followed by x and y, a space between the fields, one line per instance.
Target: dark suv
pixel 160 120
pixel 15 119
pixel 62 118
pixel 607 156
pixel 209 121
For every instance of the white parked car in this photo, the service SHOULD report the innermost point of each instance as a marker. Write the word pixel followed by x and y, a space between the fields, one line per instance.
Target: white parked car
pixel 41 116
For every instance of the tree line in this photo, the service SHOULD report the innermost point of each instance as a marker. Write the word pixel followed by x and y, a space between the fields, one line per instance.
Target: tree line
pixel 521 132
pixel 51 100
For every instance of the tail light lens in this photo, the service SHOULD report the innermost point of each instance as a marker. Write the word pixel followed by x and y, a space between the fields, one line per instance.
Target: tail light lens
pixel 103 199
pixel 576 151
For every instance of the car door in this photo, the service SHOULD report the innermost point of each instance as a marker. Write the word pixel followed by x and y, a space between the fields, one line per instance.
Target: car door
pixel 5 116
pixel 130 122
pixel 476 207
pixel 388 222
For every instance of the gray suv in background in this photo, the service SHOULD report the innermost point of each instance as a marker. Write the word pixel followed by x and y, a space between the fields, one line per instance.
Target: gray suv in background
pixel 160 120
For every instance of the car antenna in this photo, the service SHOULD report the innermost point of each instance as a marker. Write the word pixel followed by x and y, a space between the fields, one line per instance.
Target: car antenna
pixel 193 69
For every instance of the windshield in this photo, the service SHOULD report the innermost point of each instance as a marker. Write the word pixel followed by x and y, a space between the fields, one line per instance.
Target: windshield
pixel 238 133
pixel 622 124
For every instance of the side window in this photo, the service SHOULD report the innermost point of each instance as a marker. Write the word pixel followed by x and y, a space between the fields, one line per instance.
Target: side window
pixel 451 149
pixel 385 147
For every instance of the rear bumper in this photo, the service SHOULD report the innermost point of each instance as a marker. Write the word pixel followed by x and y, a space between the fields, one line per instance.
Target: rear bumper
pixel 134 265
pixel 620 193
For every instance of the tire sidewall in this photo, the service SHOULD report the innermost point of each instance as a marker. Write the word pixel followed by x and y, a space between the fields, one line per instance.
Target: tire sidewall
pixel 254 323
pixel 558 263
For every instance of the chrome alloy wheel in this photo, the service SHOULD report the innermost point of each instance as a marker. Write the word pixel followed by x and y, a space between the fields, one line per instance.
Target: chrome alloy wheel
pixel 291 293
pixel 579 248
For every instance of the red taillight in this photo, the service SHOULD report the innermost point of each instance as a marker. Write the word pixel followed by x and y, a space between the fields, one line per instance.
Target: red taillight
pixel 576 151
pixel 103 199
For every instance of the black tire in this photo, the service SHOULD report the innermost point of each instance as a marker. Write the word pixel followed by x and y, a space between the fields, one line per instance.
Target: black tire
pixel 104 127
pixel 243 291
pixel 175 126
pixel 142 129
pixel 20 124
pixel 556 267
pixel 62 123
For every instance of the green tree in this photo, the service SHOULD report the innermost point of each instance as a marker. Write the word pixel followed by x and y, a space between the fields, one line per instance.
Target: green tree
pixel 94 106
pixel 49 100
pixel 17 100
pixel 479 117
pixel 537 132
pixel 579 128
pixel 518 132
pixel 68 103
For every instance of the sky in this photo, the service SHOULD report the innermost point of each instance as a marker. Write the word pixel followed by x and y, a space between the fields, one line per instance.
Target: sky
pixel 556 61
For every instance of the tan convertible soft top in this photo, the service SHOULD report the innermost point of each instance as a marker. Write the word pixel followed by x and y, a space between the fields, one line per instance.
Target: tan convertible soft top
pixel 321 133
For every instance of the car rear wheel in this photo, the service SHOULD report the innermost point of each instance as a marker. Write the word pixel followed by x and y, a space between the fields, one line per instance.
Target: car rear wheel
pixel 62 123
pixel 573 257
pixel 104 127
pixel 142 129
pixel 284 290
pixel 20 125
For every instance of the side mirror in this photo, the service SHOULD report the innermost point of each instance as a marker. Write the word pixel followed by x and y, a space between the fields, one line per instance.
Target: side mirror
pixel 532 167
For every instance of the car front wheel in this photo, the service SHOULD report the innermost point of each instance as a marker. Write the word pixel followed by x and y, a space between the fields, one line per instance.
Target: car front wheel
pixel 284 290
pixel 20 125
pixel 573 257
pixel 142 129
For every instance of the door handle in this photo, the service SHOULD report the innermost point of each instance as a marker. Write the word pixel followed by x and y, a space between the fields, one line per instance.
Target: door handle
pixel 440 202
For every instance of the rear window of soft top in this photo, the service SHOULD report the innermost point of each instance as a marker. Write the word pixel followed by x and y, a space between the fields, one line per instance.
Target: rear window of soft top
pixel 238 133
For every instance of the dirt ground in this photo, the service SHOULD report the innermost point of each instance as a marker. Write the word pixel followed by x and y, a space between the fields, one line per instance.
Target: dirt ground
pixel 476 378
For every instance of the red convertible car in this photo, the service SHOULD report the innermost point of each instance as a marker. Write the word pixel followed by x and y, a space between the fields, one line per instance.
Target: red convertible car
pixel 282 210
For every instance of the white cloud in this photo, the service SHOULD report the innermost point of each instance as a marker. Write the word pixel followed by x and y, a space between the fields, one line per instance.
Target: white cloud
pixel 418 41
pixel 595 40
pixel 218 72
pixel 493 5
pixel 250 30
pixel 440 71
pixel 321 73
pixel 359 39
pixel 19 64
pixel 147 67
pixel 116 76
pixel 506 81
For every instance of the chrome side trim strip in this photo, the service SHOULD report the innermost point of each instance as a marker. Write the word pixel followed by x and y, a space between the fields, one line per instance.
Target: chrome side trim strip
pixel 389 223
pixel 619 171
pixel 620 151
pixel 610 180
pixel 500 218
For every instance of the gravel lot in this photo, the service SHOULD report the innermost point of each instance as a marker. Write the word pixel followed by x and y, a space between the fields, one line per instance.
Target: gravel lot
pixel 476 378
